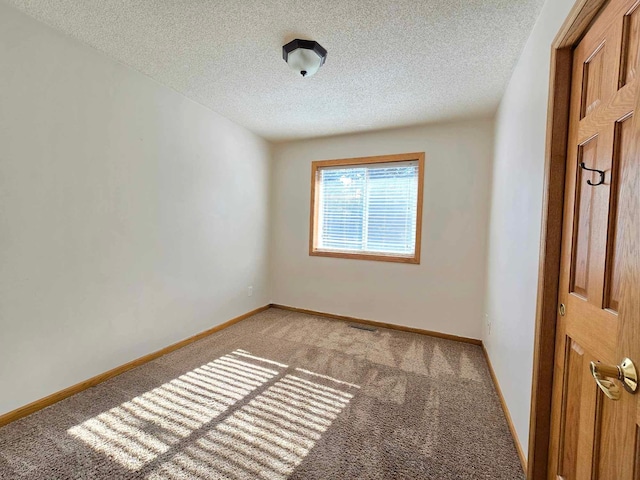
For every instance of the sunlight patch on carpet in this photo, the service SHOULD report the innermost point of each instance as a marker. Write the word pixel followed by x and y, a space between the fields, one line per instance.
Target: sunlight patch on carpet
pixel 174 429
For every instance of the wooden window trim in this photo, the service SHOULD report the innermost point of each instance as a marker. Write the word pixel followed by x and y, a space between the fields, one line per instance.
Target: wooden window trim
pixel 313 219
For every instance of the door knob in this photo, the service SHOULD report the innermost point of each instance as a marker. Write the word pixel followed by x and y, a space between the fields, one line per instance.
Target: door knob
pixel 625 372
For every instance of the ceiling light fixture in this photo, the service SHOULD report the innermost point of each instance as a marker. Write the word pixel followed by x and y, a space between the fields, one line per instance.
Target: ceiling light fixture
pixel 304 56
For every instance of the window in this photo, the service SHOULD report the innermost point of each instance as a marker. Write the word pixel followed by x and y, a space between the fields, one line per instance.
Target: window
pixel 367 208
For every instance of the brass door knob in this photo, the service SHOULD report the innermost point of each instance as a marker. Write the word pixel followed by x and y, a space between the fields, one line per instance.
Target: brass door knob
pixel 625 372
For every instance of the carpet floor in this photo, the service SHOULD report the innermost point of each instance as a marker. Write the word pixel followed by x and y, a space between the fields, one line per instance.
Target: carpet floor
pixel 279 395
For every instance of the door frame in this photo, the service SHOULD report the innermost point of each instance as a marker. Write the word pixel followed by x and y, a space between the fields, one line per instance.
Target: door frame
pixel 573 29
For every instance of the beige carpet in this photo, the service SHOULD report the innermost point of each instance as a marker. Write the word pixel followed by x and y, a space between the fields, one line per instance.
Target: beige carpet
pixel 279 395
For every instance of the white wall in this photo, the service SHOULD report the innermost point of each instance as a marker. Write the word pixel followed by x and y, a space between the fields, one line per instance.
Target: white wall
pixel 446 291
pixel 130 217
pixel 516 210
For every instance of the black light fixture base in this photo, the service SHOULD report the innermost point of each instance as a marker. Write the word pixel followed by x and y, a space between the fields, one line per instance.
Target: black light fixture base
pixel 308 44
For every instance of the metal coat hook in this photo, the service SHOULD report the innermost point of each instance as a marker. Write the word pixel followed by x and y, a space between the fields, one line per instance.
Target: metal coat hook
pixel 584 167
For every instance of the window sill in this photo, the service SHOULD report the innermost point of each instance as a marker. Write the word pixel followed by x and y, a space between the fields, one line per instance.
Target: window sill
pixel 377 257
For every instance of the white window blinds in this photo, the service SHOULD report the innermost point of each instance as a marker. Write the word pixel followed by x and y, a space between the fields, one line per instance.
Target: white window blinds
pixel 368 208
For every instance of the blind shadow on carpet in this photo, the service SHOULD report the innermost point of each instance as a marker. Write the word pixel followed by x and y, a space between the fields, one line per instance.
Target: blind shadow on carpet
pixel 279 414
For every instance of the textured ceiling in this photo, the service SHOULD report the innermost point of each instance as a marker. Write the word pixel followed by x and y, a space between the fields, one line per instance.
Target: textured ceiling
pixel 390 63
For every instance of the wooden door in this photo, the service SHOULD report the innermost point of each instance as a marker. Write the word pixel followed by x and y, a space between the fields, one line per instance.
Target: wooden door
pixel 594 437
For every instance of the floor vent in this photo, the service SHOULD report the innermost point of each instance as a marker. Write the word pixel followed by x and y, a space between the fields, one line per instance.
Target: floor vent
pixel 359 326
